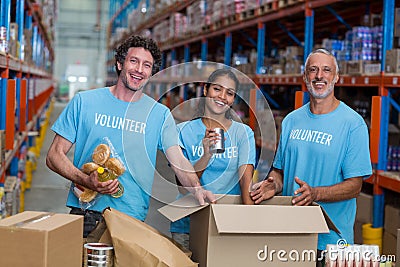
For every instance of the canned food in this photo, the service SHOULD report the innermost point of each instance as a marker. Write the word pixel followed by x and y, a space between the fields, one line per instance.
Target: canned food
pixel 3 33
pixel 96 257
pixel 98 263
pixel 219 146
pixel 98 249
pixel 98 254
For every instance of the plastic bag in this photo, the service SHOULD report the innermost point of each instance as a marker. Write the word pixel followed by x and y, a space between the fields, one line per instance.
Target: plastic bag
pixel 103 158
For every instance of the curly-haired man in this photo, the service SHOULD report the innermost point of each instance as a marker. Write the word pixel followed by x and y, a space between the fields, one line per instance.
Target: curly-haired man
pixel 135 124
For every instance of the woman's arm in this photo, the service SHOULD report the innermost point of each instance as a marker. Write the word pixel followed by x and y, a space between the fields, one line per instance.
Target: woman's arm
pixel 246 176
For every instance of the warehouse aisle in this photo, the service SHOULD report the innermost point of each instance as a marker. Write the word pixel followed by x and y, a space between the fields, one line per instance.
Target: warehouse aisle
pixel 49 190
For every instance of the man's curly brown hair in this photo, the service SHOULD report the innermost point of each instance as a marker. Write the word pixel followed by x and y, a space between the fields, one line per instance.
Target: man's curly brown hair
pixel 138 41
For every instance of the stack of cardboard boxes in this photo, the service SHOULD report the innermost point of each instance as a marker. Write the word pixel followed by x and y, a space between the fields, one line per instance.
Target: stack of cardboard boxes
pixel 391 225
pixel 393 61
pixel 294 60
pixel 13 44
pixel 12 195
pixel 363 215
pixel 398 249
pixel 27 51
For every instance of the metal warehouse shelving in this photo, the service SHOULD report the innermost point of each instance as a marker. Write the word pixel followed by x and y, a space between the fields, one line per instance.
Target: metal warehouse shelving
pixel 289 22
pixel 26 82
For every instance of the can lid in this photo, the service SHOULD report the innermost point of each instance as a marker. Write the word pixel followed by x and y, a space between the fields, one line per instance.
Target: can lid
pixel 100 170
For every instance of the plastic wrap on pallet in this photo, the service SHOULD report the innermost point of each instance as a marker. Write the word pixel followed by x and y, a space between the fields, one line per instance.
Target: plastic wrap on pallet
pixel 161 31
pixel 177 25
pixel 196 16
pixel 135 17
pixel 216 11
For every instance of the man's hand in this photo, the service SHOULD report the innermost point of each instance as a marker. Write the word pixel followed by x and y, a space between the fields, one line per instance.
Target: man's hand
pixel 203 195
pixel 305 195
pixel 263 190
pixel 306 192
pixel 107 187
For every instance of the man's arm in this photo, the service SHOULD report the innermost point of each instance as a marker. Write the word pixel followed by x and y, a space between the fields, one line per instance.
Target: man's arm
pixel 246 172
pixel 58 162
pixel 267 188
pixel 349 188
pixel 186 174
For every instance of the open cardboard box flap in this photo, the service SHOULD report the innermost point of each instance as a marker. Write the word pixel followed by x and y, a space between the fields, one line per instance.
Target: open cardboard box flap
pixel 276 215
pixel 138 244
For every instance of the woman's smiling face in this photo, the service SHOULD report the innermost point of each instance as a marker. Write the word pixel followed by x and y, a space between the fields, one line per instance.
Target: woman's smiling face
pixel 220 95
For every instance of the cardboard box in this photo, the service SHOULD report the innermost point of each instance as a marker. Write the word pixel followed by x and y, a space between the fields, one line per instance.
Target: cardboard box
pixel 392 219
pixel 392 61
pixel 358 237
pixel 342 67
pixel 231 234
pixel 41 239
pixel 397 22
pixel 12 191
pixel 389 244
pixel 365 204
pixel 398 249
pixel 372 68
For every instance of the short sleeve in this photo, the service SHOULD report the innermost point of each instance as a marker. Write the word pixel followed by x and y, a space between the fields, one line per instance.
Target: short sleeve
pixel 169 133
pixel 66 124
pixel 357 161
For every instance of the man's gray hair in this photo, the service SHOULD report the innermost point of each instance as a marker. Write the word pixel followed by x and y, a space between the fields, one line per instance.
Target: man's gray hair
pixel 322 51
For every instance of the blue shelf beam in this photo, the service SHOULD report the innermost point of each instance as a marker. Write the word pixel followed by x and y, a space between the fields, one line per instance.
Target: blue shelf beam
pixel 377 210
pixel 5 16
pixel 228 49
pixel 338 17
pixel 204 49
pixel 270 100
pixel 260 47
pixel 388 28
pixel 20 22
pixel 387 44
pixel 173 56
pixel 291 35
pixel 308 32
pixel 186 53
pixel 248 38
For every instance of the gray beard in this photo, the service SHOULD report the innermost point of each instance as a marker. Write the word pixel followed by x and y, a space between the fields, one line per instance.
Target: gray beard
pixel 312 92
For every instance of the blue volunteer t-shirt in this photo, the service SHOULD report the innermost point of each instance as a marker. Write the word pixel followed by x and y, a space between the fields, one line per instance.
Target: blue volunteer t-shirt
pixel 324 150
pixel 222 173
pixel 136 130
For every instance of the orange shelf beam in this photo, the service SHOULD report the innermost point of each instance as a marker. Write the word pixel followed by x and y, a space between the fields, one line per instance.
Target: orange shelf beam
pixel 387 182
pixel 376 108
pixel 22 105
pixel 299 99
pixel 252 108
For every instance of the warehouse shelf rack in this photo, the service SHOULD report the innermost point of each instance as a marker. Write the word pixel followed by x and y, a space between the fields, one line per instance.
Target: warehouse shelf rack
pixel 251 27
pixel 47 33
pixel 26 83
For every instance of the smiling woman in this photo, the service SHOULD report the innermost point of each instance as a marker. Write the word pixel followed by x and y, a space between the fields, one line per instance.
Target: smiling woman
pixel 228 172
